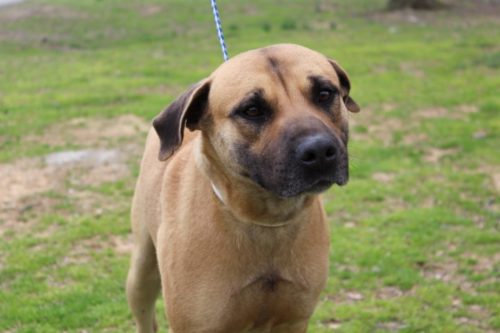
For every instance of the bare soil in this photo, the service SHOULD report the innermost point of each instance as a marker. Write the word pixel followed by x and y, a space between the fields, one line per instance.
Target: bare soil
pixel 32 187
pixel 92 132
pixel 29 10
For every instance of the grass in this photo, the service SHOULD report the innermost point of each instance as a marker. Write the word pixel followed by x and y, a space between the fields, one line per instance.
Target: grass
pixel 414 235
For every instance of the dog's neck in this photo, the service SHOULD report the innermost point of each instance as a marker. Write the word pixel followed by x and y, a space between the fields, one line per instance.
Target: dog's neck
pixel 244 199
pixel 219 196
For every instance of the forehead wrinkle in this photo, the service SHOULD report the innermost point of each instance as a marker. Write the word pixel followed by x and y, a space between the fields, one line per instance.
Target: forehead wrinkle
pixel 275 68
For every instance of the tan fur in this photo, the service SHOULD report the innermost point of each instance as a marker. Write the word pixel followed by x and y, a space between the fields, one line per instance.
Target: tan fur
pixel 219 269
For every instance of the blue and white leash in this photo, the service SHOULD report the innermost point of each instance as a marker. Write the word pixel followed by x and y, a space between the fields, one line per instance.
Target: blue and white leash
pixel 218 25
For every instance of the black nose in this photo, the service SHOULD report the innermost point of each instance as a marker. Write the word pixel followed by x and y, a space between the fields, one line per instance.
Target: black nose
pixel 317 151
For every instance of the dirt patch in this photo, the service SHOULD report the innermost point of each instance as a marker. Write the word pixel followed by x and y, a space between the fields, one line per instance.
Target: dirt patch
pixel 492 171
pixel 31 37
pixel 467 109
pixel 391 326
pixel 496 181
pixel 354 296
pixel 4 3
pixel 458 112
pixel 411 69
pixel 26 11
pixel 161 89
pixel 388 107
pixel 22 178
pixel 122 244
pixel 346 297
pixel 377 128
pixel 32 176
pixel 433 112
pixel 434 155
pixel 476 316
pixel 442 271
pixel 414 138
pixel 332 324
pixel 34 187
pixel 483 264
pixel 375 124
pixel 459 13
pixel 389 293
pixel 151 10
pixel 383 177
pixel 83 250
pixel 25 184
pixel 92 132
pixel 448 272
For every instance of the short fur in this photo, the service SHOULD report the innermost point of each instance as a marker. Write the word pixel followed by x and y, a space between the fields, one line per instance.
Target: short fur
pixel 254 257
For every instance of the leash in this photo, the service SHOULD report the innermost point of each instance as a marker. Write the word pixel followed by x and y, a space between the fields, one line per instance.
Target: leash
pixel 218 25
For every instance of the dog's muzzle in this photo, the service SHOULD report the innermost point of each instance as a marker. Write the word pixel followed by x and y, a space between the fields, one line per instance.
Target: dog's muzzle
pixel 308 163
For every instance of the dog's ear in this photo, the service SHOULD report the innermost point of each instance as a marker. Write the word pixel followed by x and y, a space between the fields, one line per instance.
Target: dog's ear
pixel 345 87
pixel 185 111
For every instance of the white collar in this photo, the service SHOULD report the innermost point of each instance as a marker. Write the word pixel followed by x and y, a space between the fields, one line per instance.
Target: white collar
pixel 218 194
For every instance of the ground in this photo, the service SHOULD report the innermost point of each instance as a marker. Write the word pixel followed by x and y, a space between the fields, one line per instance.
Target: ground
pixel 415 242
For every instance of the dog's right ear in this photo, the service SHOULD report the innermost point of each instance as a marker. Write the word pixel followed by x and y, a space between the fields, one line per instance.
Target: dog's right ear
pixel 186 110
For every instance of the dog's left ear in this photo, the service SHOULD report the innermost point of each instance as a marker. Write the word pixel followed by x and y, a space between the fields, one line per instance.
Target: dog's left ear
pixel 345 87
pixel 185 111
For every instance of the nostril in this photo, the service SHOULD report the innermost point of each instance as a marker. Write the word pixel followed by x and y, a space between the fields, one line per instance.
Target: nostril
pixel 309 157
pixel 330 152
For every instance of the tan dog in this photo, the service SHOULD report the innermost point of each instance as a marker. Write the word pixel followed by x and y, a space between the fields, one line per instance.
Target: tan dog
pixel 227 221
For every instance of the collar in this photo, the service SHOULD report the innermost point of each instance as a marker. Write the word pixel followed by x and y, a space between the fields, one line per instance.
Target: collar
pixel 218 194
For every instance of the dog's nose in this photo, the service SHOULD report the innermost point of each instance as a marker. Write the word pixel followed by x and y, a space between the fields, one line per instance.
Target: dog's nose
pixel 317 151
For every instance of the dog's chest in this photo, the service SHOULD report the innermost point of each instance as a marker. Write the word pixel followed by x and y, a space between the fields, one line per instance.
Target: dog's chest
pixel 269 283
pixel 245 281
pixel 270 299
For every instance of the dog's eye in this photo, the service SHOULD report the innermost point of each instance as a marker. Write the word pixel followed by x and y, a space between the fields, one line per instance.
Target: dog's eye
pixel 325 96
pixel 253 112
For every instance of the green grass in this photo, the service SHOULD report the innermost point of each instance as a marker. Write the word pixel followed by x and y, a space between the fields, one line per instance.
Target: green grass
pixel 415 238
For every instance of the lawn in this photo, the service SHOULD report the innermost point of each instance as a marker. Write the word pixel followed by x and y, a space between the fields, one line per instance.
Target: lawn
pixel 415 243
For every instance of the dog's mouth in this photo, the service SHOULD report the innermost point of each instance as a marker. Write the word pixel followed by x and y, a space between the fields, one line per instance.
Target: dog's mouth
pixel 293 189
pixel 295 182
pixel 320 185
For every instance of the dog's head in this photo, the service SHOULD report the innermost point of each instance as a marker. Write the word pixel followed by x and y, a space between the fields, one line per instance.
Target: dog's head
pixel 276 116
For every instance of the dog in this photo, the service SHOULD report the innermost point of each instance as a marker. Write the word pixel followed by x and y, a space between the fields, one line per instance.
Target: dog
pixel 227 217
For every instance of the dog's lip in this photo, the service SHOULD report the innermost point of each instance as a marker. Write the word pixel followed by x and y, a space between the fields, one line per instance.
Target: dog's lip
pixel 341 182
pixel 320 185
